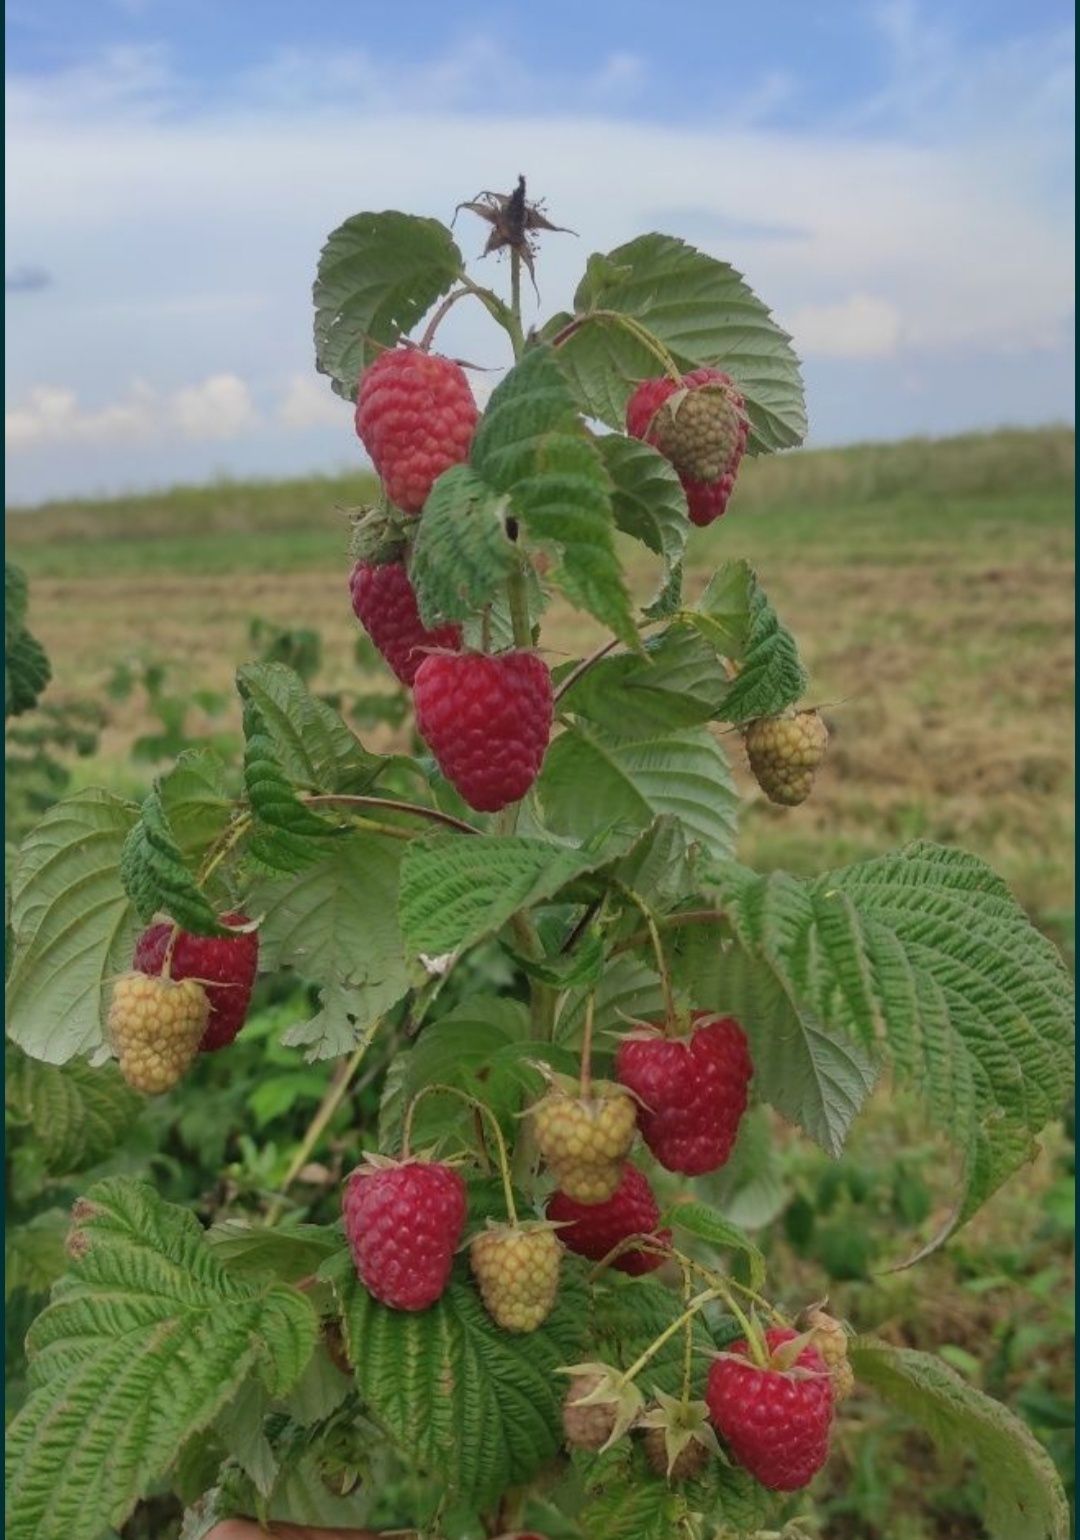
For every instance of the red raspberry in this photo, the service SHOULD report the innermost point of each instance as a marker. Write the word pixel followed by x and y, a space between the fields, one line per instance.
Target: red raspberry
pixel 403 1221
pixel 594 1228
pixel 775 1422
pixel 693 1091
pixel 416 416
pixel 712 438
pixel 224 965
pixel 384 603
pixel 487 721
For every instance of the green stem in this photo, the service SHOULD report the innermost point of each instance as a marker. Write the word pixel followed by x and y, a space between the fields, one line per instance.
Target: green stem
pixel 628 323
pixel 493 1123
pixel 658 951
pixel 586 1046
pixel 669 1332
pixel 392 805
pixel 517 594
pixel 688 1345
pixel 335 1093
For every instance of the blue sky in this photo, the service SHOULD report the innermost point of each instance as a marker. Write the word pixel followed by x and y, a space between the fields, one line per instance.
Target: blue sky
pixel 894 178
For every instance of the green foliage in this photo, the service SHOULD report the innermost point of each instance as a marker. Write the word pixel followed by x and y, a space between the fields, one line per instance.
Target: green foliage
pixel 26 666
pixel 463 552
pixel 532 448
pixel 310 923
pixel 1024 1500
pixel 156 876
pixel 378 274
pixel 464 1400
pixel 456 891
pixel 737 620
pixel 928 951
pixel 591 780
pixel 703 312
pixel 73 925
pixel 142 1344
pixel 76 1114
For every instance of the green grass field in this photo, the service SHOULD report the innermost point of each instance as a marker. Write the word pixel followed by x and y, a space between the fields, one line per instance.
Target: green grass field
pixel 929 584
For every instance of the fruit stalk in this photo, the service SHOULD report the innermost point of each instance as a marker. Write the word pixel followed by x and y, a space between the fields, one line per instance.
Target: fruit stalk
pixel 335 1094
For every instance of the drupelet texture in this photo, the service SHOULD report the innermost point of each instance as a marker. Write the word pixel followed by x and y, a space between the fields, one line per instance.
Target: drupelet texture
pixel 693 1091
pixel 487 720
pixel 403 1222
pixel 384 603
pixel 415 416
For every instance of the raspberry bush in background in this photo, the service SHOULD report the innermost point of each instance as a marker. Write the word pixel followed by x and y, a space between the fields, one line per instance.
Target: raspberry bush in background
pixel 527 1308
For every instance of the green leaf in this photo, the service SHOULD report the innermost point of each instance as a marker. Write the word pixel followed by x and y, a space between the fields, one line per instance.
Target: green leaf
pixel 704 313
pixel 378 275
pixel 626 1508
pixel 628 991
pixel 144 1341
pixel 456 889
pixel 679 682
pixel 315 749
pixel 288 1251
pixel 196 799
pixel 156 876
pixel 749 1189
pixel 737 620
pixel 648 500
pixel 818 1077
pixel 462 1400
pixel 628 1316
pixel 1024 1495
pixel 286 835
pixel 34 1253
pixel 924 954
pixel 700 1220
pixel 462 552
pixel 532 447
pixel 588 780
pixel 336 924
pixel 73 924
pixel 77 1114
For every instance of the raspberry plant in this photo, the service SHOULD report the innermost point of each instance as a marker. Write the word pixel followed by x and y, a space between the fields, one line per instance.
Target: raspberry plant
pixel 527 952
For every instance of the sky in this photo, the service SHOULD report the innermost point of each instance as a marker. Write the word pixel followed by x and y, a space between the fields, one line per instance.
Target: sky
pixel 893 177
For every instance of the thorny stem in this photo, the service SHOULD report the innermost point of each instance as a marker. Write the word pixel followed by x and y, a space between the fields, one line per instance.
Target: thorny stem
pixel 335 1093
pixel 658 950
pixel 669 1331
pixel 493 1123
pixel 392 805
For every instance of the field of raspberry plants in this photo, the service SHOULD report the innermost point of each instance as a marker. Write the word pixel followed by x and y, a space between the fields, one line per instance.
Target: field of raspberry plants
pixel 565 1079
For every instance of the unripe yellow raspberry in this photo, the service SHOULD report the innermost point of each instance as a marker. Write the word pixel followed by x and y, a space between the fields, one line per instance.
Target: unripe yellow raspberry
pixel 701 430
pixel 585 1139
pixel 784 754
pixel 517 1270
pixel 831 1341
pixel 155 1027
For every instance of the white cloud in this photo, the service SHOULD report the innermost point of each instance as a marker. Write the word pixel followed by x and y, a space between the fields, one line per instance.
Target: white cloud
pixel 930 225
pixel 861 326
pixel 218 408
pixel 310 403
